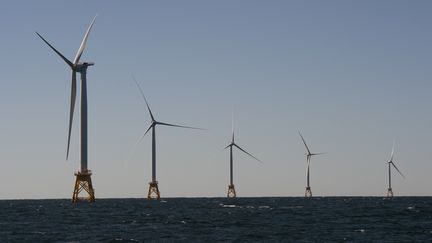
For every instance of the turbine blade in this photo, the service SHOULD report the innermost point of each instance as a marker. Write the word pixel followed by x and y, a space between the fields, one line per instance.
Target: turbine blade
pixel 72 108
pixel 229 145
pixel 148 129
pixel 232 126
pixel 397 169
pixel 244 151
pixel 83 43
pixel 317 154
pixel 392 153
pixel 58 53
pixel 142 94
pixel 172 125
pixel 304 142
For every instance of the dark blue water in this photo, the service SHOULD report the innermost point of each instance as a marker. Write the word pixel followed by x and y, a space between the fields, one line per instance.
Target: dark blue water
pixel 403 219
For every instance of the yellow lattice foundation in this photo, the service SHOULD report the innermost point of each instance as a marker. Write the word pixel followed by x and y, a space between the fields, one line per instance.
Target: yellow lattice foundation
pixel 308 192
pixel 231 191
pixel 83 184
pixel 153 192
pixel 389 192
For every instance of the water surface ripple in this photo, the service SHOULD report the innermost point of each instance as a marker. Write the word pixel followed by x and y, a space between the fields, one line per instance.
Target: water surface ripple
pixel 320 219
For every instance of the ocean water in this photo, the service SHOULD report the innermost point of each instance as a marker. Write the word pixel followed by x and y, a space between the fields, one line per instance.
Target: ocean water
pixel 319 219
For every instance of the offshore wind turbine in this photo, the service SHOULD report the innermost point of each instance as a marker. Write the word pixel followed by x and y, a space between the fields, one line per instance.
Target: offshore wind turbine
pixel 231 189
pixel 153 192
pixel 308 191
pixel 390 164
pixel 83 176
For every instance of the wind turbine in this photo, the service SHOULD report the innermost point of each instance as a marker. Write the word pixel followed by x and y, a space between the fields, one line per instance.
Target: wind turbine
pixel 308 192
pixel 153 192
pixel 390 164
pixel 83 177
pixel 231 189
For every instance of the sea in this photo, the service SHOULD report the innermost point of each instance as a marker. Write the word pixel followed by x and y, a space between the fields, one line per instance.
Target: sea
pixel 284 219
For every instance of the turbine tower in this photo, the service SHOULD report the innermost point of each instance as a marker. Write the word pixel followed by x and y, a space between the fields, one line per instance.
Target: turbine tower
pixel 308 192
pixel 83 176
pixel 153 192
pixel 231 189
pixel 390 164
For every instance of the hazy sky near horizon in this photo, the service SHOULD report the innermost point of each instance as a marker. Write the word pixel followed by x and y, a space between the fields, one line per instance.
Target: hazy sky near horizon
pixel 352 76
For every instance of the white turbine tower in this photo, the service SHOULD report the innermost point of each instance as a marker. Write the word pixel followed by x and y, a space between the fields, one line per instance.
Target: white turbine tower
pixel 83 177
pixel 308 192
pixel 390 164
pixel 153 192
pixel 231 189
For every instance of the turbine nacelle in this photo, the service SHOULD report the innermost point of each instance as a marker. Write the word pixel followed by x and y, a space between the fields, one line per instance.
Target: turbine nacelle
pixel 79 67
pixel 84 64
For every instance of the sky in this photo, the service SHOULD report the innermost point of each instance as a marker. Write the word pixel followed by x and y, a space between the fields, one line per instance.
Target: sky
pixel 352 76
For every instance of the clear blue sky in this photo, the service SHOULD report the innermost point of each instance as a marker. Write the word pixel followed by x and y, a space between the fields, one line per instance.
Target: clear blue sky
pixel 351 75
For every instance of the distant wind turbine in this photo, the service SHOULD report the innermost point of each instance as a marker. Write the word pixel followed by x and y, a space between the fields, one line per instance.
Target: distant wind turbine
pixel 153 192
pixel 390 164
pixel 308 192
pixel 83 177
pixel 231 189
